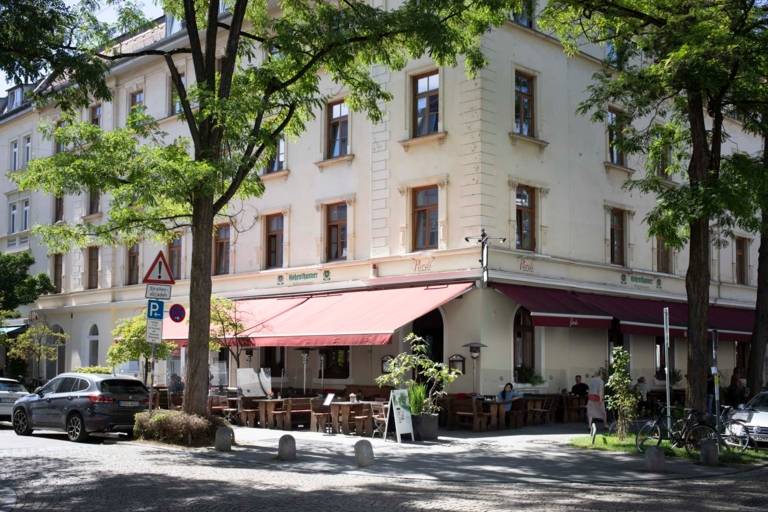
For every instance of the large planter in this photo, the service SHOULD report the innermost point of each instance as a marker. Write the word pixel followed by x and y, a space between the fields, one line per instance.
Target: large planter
pixel 425 427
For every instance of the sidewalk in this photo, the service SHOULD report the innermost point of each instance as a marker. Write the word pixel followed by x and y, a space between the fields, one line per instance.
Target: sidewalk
pixel 530 455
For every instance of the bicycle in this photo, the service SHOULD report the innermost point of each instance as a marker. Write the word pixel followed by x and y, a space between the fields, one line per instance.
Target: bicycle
pixel 687 432
pixel 733 433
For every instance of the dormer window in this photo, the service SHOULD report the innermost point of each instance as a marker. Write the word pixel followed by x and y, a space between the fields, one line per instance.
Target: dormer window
pixel 173 25
pixel 15 97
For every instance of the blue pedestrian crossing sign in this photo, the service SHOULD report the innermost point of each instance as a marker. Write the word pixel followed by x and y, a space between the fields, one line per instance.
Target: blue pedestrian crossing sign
pixel 155 309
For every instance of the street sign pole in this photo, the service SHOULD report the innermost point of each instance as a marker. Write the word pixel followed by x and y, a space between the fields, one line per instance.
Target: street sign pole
pixel 716 378
pixel 666 368
pixel 152 381
pixel 159 280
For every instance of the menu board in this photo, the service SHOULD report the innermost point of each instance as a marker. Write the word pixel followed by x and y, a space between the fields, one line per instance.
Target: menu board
pixel 400 413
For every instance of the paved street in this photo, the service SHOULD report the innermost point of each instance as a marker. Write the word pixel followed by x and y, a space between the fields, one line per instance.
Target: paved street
pixel 467 473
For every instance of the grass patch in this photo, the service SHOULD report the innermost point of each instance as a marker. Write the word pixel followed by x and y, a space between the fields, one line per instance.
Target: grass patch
pixel 614 444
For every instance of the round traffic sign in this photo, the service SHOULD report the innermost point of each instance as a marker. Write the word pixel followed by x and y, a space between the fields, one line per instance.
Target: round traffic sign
pixel 177 313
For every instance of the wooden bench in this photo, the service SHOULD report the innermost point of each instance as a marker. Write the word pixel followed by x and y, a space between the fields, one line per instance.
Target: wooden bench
pixel 248 410
pixel 294 409
pixel 320 417
pixel 364 420
pixel 468 412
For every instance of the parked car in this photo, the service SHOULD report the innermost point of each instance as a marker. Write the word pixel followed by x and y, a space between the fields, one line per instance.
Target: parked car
pixel 80 404
pixel 755 415
pixel 10 391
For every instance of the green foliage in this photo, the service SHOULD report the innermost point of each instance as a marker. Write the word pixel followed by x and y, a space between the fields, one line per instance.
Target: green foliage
pixel 97 370
pixel 435 376
pixel 37 342
pixel 623 399
pixel 225 327
pixel 176 427
pixel 17 287
pixel 417 395
pixel 131 342
pixel 528 375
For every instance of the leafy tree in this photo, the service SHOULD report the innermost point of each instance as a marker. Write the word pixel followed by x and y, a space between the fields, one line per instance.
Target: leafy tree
pixel 36 343
pixel 131 344
pixel 225 327
pixel 236 110
pixel 684 64
pixel 17 287
pixel 622 398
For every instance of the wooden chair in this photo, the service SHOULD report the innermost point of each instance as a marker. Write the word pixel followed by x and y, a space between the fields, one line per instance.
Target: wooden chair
pixel 470 412
pixel 379 412
pixel 364 420
pixel 295 410
pixel 320 416
pixel 544 414
pixel 516 414
pixel 248 411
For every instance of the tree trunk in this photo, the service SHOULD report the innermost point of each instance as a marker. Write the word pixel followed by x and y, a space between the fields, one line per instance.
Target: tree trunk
pixel 197 372
pixel 755 372
pixel 698 275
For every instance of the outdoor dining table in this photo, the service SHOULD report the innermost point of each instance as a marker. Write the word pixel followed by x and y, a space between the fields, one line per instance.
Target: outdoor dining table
pixel 340 413
pixel 267 411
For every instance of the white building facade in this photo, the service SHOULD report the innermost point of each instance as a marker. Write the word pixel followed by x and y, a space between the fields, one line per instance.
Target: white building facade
pixel 352 205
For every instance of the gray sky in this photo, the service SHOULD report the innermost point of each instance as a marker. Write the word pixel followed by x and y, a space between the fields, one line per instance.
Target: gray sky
pixel 151 9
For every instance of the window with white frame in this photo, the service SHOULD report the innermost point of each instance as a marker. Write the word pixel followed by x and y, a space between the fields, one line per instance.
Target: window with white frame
pixel 14 155
pixel 15 98
pixel 12 220
pixel 175 107
pixel 19 215
pixel 277 160
pixel 27 149
pixel 25 214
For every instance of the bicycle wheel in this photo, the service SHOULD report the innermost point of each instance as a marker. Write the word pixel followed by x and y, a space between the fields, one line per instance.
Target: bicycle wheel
pixel 696 435
pixel 648 435
pixel 676 438
pixel 735 435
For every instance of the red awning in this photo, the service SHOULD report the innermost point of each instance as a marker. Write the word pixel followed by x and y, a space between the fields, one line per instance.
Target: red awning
pixel 250 313
pixel 551 307
pixel 641 316
pixel 367 317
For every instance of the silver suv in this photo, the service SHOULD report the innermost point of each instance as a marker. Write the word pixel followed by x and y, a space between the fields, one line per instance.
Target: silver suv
pixel 80 404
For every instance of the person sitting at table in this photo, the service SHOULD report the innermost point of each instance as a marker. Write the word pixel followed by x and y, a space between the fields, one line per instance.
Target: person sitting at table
pixel 176 385
pixel 506 396
pixel 580 388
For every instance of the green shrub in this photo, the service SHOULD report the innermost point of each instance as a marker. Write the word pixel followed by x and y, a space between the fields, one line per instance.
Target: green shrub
pixel 177 427
pixel 101 370
pixel 417 395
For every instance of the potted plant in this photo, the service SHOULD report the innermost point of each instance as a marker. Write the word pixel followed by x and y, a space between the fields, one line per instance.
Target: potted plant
pixel 426 382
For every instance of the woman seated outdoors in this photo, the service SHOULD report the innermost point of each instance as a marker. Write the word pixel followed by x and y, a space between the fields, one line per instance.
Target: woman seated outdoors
pixel 506 396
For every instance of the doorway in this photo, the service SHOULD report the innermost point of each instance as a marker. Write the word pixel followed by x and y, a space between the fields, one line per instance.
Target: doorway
pixel 430 327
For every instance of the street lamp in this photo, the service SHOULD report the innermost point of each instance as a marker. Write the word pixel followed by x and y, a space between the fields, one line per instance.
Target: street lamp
pixel 483 240
pixel 474 353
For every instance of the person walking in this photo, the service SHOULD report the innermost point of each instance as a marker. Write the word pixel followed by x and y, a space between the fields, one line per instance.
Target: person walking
pixel 595 401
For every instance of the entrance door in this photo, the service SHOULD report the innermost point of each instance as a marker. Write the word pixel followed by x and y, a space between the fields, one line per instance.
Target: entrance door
pixel 430 327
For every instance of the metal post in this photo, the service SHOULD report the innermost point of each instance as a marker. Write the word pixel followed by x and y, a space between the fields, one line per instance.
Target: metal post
pixel 666 369
pixel 322 372
pixel 152 380
pixel 716 377
pixel 304 359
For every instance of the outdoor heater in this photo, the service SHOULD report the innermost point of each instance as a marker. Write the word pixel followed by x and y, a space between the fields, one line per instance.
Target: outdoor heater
pixel 474 353
pixel 304 363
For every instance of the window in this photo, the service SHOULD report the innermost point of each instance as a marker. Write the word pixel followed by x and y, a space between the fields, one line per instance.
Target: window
pixel 742 248
pixel 524 348
pixel 58 208
pixel 174 257
pixel 426 104
pixel 58 146
pixel 338 129
pixel 61 353
pixel 615 128
pixel 93 346
pixel 663 256
pixel 335 363
pixel 94 196
pixel 425 218
pixel 15 98
pixel 526 14
pixel 175 107
pixel 14 155
pixel 617 236
pixel 96 115
pixel 277 161
pixel 221 250
pixel 132 265
pixel 274 359
pixel 660 357
pixel 274 241
pixel 526 218
pixel 27 149
pixel 136 99
pixel 524 118
pixel 336 235
pixel 25 215
pixel 12 211
pixel 58 271
pixel 93 268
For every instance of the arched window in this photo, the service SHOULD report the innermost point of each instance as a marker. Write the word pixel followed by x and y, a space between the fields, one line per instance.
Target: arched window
pixel 524 348
pixel 93 346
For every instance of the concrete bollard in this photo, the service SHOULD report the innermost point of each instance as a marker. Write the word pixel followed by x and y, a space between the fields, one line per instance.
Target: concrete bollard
pixel 709 455
pixel 286 448
pixel 363 453
pixel 654 459
pixel 225 436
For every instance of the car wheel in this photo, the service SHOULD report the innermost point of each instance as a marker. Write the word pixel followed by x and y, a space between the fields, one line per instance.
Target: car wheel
pixel 76 428
pixel 21 424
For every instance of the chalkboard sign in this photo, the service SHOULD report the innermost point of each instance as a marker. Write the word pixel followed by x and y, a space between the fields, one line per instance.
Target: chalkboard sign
pixel 400 414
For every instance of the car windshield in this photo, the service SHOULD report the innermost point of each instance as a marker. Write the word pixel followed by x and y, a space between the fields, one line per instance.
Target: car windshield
pixel 122 386
pixel 12 387
pixel 760 402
